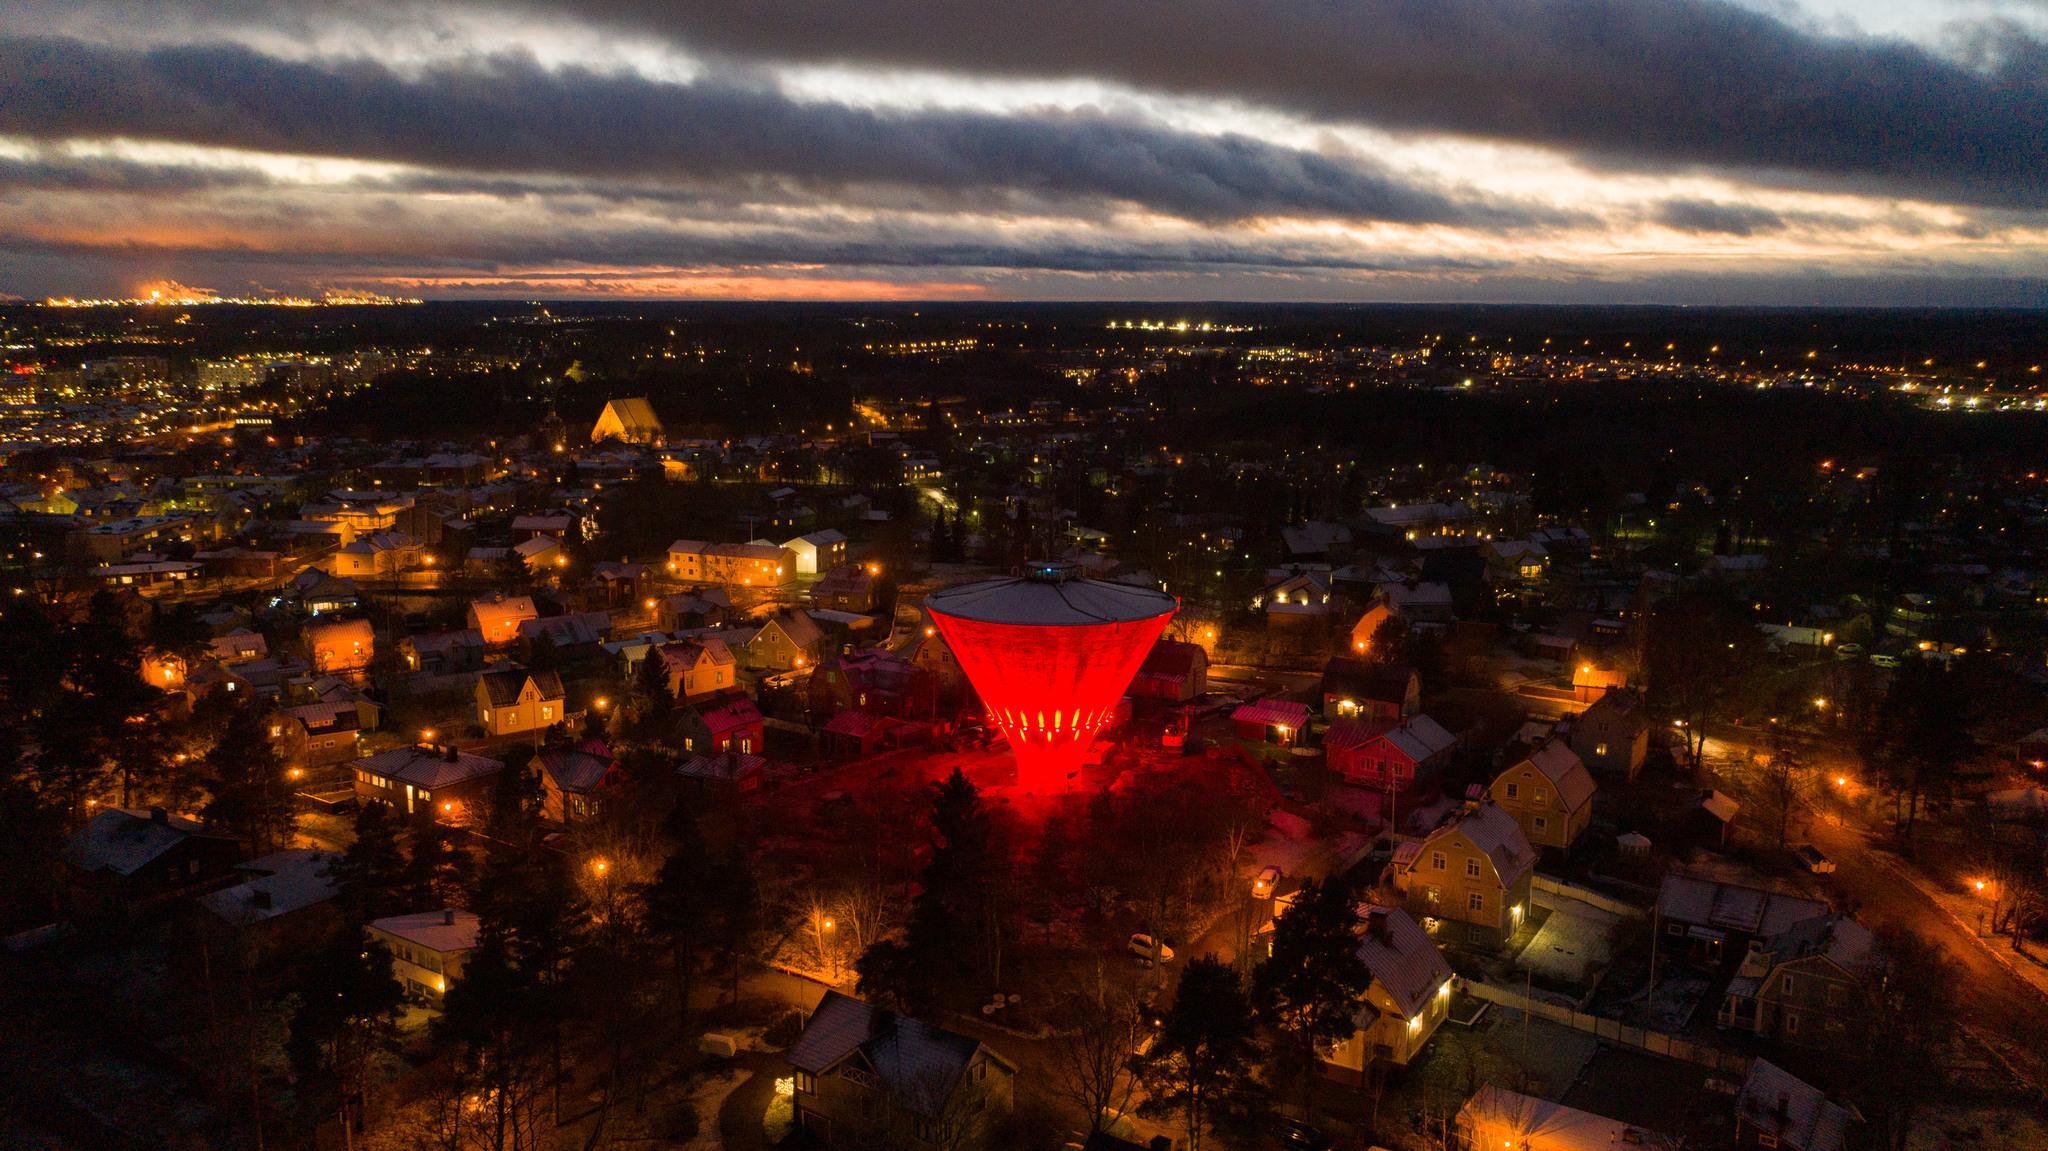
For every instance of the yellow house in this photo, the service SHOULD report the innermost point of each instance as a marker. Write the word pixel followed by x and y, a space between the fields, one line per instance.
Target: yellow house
pixel 1409 997
pixel 517 702
pixel 697 667
pixel 742 565
pixel 1549 794
pixel 1469 877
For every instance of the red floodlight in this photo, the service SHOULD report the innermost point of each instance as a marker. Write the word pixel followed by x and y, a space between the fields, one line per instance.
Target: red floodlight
pixel 1050 654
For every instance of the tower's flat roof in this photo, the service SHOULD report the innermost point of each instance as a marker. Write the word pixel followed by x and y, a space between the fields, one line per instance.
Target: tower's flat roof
pixel 1018 600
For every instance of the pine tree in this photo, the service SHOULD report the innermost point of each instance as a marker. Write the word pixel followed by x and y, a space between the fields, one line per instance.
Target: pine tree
pixel 677 904
pixel 1202 1064
pixel 440 872
pixel 368 874
pixel 249 796
pixel 347 1010
pixel 1308 991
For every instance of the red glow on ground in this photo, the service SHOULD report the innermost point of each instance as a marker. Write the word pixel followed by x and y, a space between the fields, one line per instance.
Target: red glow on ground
pixel 1049 689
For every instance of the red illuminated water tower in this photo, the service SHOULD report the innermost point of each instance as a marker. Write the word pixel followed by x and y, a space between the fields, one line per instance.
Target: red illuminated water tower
pixel 1050 653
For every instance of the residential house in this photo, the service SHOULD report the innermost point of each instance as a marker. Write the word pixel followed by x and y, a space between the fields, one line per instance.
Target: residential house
pixel 732 725
pixel 282 909
pixel 817 552
pixel 1281 722
pixel 874 680
pixel 630 421
pixel 1173 672
pixel 1779 1111
pixel 238 645
pixel 1407 1000
pixel 428 948
pixel 553 525
pixel 1297 601
pixel 318 593
pixel 1497 1117
pixel 128 860
pixel 541 554
pixel 497 617
pixel 733 565
pixel 1807 986
pixel 427 781
pixel 697 667
pixel 724 774
pixel 849 587
pixel 707 607
pixel 565 639
pixel 1613 735
pixel 1471 876
pixel 1405 758
pixel 343 647
pixel 1513 563
pixel 443 652
pixel 1357 689
pixel 319 734
pixel 520 702
pixel 573 780
pixel 856 733
pixel 1549 793
pixel 784 642
pixel 866 1076
pixel 379 555
pixel 1708 919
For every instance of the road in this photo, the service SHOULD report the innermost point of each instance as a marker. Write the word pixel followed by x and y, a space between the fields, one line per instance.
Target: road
pixel 2005 1011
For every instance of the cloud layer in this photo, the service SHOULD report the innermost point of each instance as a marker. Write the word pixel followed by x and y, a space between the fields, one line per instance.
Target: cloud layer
pixel 1610 149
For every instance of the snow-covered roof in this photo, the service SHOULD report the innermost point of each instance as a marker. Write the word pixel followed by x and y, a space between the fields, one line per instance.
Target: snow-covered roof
pixel 433 930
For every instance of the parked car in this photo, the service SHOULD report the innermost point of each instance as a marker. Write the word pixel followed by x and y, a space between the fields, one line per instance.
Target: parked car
pixel 1849 651
pixel 1149 948
pixel 1812 860
pixel 1884 661
pixel 1298 1136
pixel 1267 883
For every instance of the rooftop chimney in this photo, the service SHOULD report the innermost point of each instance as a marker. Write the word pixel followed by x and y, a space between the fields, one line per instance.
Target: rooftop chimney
pixel 1377 926
pixel 159 815
pixel 450 753
pixel 447 917
pixel 1784 1104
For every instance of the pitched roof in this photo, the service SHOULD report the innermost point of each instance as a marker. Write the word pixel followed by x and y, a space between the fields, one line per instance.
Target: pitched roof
pixel 577 769
pixel 1731 906
pixel 1344 676
pixel 124 840
pixel 1402 957
pixel 1421 738
pixel 1352 732
pixel 1272 713
pixel 1776 1101
pixel 1173 658
pixel 729 716
pixel 799 627
pixel 428 767
pixel 1542 1125
pixel 919 1063
pixel 1565 771
pixel 504 686
pixel 1496 833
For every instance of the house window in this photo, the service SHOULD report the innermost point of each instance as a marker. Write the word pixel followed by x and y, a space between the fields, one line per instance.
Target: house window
pixel 1472 868
pixel 1475 902
pixel 1541 823
pixel 1599 749
pixel 1433 894
pixel 1437 861
pixel 805 1083
pixel 1766 1139
pixel 1541 796
pixel 1837 995
pixel 1790 984
pixel 1514 789
pixel 1791 1023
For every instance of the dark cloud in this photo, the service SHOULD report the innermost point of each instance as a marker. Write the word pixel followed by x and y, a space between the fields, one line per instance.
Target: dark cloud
pixel 1717 217
pixel 1685 81
pixel 510 115
pixel 58 172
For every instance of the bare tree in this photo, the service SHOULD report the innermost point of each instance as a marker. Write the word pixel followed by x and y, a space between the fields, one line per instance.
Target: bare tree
pixel 1091 1057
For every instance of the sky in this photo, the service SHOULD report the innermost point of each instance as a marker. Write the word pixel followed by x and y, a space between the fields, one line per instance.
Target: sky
pixel 1779 152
